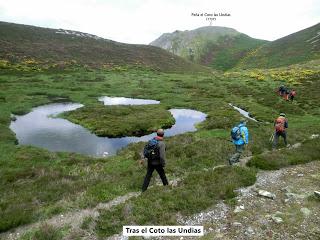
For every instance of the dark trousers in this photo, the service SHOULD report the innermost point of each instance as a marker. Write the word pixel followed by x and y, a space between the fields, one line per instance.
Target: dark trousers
pixel 236 156
pixel 276 138
pixel 148 176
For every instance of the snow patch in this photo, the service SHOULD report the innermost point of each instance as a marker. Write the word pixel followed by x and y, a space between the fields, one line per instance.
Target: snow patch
pixel 318 35
pixel 315 41
pixel 78 34
pixel 243 112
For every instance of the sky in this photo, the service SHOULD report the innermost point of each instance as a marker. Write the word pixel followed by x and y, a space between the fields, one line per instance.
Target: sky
pixel 142 21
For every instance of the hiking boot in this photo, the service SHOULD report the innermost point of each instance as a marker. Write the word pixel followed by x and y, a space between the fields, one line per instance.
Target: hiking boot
pixel 231 162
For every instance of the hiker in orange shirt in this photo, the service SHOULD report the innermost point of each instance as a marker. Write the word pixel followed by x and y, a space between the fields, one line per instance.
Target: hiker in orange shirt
pixel 280 125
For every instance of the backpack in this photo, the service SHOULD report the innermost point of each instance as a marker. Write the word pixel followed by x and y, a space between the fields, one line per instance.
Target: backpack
pixel 279 126
pixel 235 133
pixel 151 150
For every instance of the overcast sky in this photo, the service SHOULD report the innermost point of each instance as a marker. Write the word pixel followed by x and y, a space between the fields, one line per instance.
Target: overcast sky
pixel 142 21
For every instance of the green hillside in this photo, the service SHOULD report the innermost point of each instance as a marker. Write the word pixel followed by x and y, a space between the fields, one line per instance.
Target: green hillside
pixel 298 47
pixel 27 47
pixel 67 195
pixel 228 51
pixel 218 47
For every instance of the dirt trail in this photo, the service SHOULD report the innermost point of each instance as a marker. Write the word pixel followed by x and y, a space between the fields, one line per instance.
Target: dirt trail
pixel 73 219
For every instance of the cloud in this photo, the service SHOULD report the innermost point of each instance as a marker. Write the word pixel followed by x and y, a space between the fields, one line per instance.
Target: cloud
pixel 142 21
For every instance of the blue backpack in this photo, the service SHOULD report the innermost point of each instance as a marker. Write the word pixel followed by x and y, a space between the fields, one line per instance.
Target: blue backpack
pixel 151 150
pixel 236 133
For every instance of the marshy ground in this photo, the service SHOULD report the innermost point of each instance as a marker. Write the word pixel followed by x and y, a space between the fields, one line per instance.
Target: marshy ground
pixel 37 184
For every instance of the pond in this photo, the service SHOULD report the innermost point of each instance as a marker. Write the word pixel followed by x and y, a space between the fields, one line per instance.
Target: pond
pixel 43 129
pixel 126 101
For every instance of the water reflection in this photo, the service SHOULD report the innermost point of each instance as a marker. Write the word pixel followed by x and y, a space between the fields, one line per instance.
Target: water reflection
pixel 40 128
pixel 126 101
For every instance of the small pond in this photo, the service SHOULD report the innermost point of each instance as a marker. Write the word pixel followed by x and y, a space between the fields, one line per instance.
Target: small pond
pixel 126 101
pixel 41 128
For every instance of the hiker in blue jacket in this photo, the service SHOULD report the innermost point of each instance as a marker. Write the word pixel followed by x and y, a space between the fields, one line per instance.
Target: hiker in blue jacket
pixel 240 138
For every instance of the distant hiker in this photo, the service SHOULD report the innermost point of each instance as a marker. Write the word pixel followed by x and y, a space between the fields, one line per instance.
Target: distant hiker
pixel 240 138
pixel 154 151
pixel 280 125
pixel 292 94
pixel 282 90
pixel 286 94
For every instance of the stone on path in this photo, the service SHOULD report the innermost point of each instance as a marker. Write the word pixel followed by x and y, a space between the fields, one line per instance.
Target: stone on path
pixel 313 136
pixel 306 212
pixel 277 219
pixel 266 194
pixel 237 224
pixel 296 145
pixel 249 231
pixel 239 209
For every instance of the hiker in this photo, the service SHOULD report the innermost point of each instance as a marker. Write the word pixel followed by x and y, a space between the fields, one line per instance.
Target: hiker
pixel 240 138
pixel 154 151
pixel 286 94
pixel 292 94
pixel 280 125
pixel 282 90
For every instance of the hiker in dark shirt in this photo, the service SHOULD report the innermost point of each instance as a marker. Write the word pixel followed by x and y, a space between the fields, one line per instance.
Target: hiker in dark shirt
pixel 282 90
pixel 156 160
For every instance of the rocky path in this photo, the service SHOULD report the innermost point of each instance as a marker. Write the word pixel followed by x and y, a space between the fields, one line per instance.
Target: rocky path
pixel 282 204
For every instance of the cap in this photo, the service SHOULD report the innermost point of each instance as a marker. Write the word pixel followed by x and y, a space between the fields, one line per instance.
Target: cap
pixel 243 120
pixel 282 114
pixel 160 132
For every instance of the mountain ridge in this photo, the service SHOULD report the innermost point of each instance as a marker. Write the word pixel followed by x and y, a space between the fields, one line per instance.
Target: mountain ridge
pixel 298 47
pixel 23 44
pixel 214 46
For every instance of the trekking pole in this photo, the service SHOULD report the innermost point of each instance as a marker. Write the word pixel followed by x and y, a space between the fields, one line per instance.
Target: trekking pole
pixel 271 137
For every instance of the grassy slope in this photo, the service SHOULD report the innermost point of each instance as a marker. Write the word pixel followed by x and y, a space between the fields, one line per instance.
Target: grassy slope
pixel 228 51
pixel 217 47
pixel 295 48
pixel 37 184
pixel 30 46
